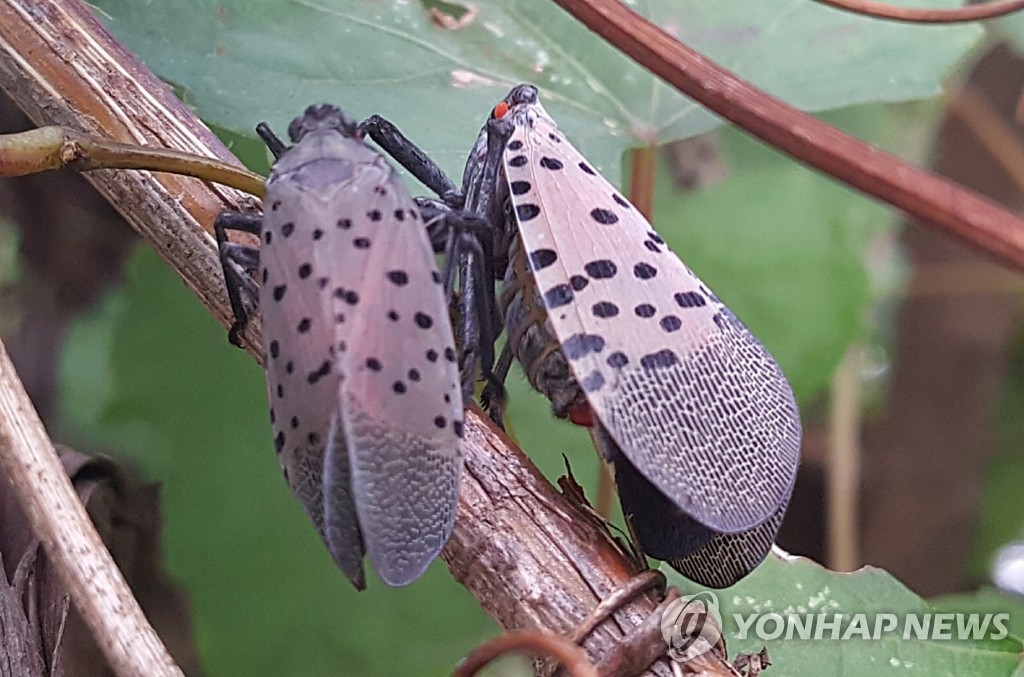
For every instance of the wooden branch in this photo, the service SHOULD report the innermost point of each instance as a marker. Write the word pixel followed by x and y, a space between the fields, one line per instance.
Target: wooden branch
pixel 63 68
pixel 58 518
pixel 935 201
pixel 532 557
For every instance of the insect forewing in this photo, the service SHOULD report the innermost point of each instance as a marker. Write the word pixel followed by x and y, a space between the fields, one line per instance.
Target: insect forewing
pixel 695 402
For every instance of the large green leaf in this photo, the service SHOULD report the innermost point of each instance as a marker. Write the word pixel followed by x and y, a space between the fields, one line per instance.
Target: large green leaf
pixel 242 61
pixel 795 588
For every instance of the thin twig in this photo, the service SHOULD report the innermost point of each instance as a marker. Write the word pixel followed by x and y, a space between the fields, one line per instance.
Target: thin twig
pixel 89 573
pixel 533 642
pixel 936 201
pixel 881 10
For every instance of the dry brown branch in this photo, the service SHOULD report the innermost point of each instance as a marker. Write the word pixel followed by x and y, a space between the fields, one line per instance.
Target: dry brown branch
pixel 532 557
pixel 61 523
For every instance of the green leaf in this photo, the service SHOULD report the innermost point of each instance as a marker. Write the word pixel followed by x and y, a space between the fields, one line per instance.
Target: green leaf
pixel 152 375
pixel 793 589
pixel 243 61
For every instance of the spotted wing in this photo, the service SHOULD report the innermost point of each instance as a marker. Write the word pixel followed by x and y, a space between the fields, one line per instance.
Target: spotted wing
pixel 694 400
pixel 400 396
pixel 299 338
pixel 350 277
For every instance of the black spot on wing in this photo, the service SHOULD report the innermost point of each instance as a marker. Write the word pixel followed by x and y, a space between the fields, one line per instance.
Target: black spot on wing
pixel 542 258
pixel 670 323
pixel 518 161
pixel 520 187
pixel 551 163
pixel 587 169
pixel 526 212
pixel 659 360
pixel 605 217
pixel 515 144
pixel 619 200
pixel 592 381
pixel 323 370
pixel 557 296
pixel 644 271
pixel 617 359
pixel 645 310
pixel 601 269
pixel 690 299
pixel 578 282
pixel 604 309
pixel 398 277
pixel 580 345
pixel 347 295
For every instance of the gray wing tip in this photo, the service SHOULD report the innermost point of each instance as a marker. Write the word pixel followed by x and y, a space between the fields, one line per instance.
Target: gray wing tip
pixel 405 573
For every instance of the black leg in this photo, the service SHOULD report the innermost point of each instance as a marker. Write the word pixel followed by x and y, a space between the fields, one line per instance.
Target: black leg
pixel 276 146
pixel 409 155
pixel 237 261
pixel 494 397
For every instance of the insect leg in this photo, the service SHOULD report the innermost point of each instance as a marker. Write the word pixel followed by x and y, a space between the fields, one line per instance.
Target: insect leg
pixel 469 255
pixel 409 155
pixel 237 261
pixel 276 146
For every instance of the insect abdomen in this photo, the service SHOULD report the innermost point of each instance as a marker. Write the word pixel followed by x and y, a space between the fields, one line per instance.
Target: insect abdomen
pixel 532 339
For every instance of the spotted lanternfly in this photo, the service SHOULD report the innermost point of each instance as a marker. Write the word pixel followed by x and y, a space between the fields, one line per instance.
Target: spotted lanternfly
pixel 693 413
pixel 363 380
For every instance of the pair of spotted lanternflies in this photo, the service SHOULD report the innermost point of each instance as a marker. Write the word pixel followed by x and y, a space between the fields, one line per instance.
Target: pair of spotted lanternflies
pixel 366 396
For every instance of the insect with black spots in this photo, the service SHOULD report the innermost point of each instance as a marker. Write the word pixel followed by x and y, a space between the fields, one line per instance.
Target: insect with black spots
pixel 362 373
pixel 694 415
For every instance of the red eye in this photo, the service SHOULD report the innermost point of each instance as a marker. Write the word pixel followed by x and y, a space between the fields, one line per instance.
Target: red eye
pixel 500 110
